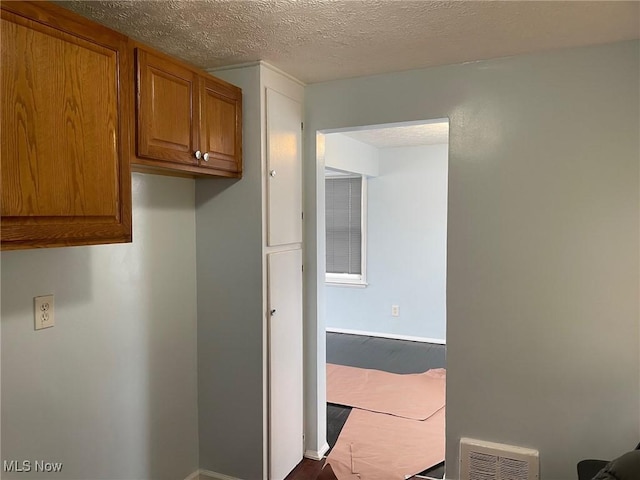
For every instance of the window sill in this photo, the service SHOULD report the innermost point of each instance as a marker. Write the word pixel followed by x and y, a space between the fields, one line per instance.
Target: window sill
pixel 330 283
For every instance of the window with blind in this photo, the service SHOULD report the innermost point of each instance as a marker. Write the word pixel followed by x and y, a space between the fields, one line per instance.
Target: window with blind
pixel 345 229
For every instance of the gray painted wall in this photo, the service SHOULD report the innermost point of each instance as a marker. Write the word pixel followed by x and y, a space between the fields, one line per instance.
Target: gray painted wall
pixel 406 248
pixel 543 234
pixel 110 391
pixel 230 304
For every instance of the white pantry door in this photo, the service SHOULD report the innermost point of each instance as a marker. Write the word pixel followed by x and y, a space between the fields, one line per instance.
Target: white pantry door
pixel 284 169
pixel 285 362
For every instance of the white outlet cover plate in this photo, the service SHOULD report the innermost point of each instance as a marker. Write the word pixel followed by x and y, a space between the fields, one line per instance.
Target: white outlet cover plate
pixel 43 312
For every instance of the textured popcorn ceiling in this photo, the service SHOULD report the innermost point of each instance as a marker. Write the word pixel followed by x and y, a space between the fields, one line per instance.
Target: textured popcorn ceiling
pixel 318 40
pixel 403 136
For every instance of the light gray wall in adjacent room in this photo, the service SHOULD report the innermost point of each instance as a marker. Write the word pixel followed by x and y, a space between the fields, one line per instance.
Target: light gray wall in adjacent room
pixel 349 155
pixel 406 249
pixel 110 390
pixel 543 233
pixel 230 303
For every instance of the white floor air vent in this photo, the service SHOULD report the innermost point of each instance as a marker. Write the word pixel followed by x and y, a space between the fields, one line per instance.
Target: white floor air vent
pixel 494 461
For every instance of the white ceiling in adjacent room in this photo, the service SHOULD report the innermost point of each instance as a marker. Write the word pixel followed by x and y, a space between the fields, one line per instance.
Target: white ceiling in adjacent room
pixel 403 136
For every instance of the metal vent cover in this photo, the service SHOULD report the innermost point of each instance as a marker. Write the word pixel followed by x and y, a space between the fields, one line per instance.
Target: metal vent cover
pixel 480 460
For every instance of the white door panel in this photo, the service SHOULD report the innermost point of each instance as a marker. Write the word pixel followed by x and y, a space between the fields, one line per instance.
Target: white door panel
pixel 285 362
pixel 284 169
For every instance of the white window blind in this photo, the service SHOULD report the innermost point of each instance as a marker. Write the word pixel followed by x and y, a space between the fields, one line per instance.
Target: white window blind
pixel 344 224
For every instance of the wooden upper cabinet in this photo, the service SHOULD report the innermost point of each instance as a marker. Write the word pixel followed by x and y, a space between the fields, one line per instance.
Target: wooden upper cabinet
pixel 65 130
pixel 187 121
pixel 221 126
pixel 168 94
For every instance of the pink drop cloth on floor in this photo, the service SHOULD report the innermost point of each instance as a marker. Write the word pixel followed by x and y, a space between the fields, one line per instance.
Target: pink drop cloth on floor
pixel 376 446
pixel 416 396
pixel 396 427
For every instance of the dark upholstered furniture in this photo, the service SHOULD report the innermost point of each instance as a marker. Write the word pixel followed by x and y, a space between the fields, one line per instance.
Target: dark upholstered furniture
pixel 626 467
pixel 587 469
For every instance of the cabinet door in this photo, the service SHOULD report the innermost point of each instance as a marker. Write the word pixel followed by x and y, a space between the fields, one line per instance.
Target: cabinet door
pixel 65 165
pixel 285 362
pixel 221 127
pixel 284 170
pixel 167 110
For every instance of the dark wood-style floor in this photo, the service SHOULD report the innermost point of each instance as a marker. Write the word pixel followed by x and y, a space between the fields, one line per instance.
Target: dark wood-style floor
pixel 306 470
pixel 396 356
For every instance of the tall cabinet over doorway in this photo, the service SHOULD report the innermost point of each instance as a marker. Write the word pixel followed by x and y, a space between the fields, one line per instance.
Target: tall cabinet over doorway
pixel 249 254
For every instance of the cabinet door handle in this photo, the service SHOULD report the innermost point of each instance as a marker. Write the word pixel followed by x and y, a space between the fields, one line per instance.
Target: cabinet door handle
pixel 205 157
pixel 272 312
pixel 198 154
pixel 272 173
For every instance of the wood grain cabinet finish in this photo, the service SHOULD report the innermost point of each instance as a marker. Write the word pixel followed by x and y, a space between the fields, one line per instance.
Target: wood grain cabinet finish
pixel 167 96
pixel 221 126
pixel 187 121
pixel 66 87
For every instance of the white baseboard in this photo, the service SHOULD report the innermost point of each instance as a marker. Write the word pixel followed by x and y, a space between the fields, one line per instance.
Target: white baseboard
pixel 194 476
pixel 392 336
pixel 317 454
pixel 209 475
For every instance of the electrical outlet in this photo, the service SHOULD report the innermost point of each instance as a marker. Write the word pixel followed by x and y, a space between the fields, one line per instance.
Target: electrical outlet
pixel 395 310
pixel 43 312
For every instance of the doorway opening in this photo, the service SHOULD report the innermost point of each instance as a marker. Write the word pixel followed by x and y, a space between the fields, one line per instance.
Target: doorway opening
pixel 384 250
